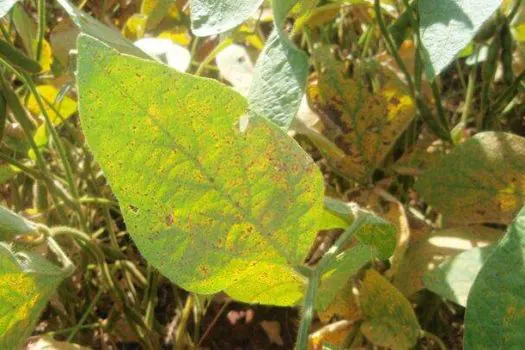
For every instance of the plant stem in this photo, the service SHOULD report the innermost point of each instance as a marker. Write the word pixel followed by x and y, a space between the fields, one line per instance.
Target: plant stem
pixel 41 28
pixel 84 317
pixel 308 310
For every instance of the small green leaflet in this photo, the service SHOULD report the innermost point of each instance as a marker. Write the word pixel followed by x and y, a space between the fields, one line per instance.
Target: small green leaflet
pixel 231 207
pixel 280 74
pixel 495 316
pixel 210 17
pixel 447 26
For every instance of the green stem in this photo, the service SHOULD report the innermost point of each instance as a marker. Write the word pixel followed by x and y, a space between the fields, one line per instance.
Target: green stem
pixel 41 28
pixel 84 317
pixel 222 45
pixel 470 95
pixel 308 310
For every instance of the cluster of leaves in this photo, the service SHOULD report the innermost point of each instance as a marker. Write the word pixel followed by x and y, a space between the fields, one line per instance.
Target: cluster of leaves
pixel 401 188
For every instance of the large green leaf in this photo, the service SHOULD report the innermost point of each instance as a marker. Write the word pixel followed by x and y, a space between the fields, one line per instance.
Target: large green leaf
pixel 210 17
pixel 27 281
pixel 213 199
pixel 447 26
pixel 495 316
pixel 454 278
pixel 480 181
pixel 280 73
pixel 5 6
pixel 91 26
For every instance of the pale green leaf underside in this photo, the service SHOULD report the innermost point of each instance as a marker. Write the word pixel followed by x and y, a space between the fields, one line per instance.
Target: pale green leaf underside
pixel 210 17
pixel 211 207
pixel 5 6
pixel 27 281
pixel 495 316
pixel 454 278
pixel 12 225
pixel 280 73
pixel 447 26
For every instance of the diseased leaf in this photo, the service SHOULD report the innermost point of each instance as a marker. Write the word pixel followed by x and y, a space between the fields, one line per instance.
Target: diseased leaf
pixel 366 124
pixel 428 252
pixel 453 278
pixel 210 17
pixel 389 319
pixel 280 73
pixel 447 26
pixel 495 315
pixel 91 26
pixel 5 6
pixel 330 336
pixel 234 207
pixel 481 181
pixel 27 281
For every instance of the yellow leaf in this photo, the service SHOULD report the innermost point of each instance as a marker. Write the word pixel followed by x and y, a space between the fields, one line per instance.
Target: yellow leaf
pixel 46 56
pixel 178 34
pixel 66 108
pixel 365 121
pixel 135 26
pixel 389 319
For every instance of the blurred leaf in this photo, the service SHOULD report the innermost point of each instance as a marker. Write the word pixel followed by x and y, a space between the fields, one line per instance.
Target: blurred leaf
pixel 166 51
pixel 135 26
pixel 495 315
pixel 389 319
pixel 48 343
pixel 210 17
pixel 480 181
pixel 26 28
pixel 234 207
pixel 5 6
pixel 27 281
pixel 177 34
pixel 330 336
pixel 46 56
pixel 91 26
pixel 155 10
pixel 368 124
pixel 236 67
pixel 280 73
pixel 447 26
pixel 65 107
pixel 273 331
pixel 453 278
pixel 429 251
pixel 63 39
pixel 12 225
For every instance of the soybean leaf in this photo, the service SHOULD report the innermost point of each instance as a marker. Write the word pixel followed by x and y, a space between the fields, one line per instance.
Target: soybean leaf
pixel 453 278
pixel 12 225
pixel 389 319
pixel 428 252
pixel 91 26
pixel 280 73
pixel 5 6
pixel 480 181
pixel 234 207
pixel 494 316
pixel 447 26
pixel 27 281
pixel 210 17
pixel 366 124
pixel 156 10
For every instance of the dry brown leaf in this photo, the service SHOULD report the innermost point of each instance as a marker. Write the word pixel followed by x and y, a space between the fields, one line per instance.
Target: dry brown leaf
pixel 273 330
